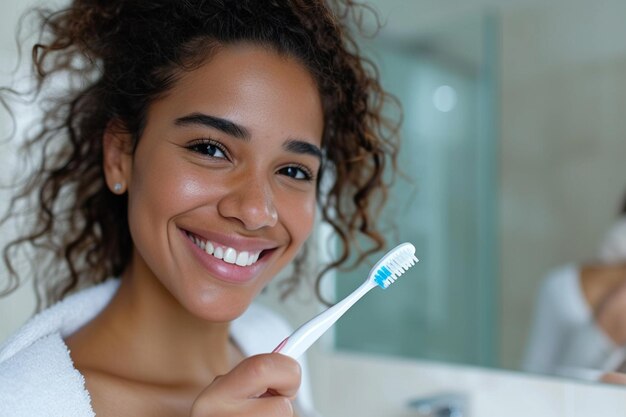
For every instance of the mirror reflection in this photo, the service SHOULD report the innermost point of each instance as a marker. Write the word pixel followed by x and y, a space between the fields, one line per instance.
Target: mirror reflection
pixel 513 142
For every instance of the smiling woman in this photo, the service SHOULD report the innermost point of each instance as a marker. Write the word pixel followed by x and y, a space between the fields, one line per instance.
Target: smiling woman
pixel 181 171
pixel 234 184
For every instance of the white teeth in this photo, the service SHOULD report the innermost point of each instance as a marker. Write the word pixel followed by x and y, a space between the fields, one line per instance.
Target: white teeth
pixel 209 248
pixel 253 258
pixel 228 255
pixel 242 259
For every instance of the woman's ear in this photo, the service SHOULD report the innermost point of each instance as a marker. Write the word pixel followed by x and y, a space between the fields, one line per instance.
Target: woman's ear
pixel 117 154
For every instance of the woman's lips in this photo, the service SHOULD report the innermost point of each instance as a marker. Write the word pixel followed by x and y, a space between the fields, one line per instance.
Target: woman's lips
pixel 227 270
pixel 227 254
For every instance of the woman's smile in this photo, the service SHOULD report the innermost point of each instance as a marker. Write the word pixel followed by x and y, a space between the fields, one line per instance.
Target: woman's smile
pixel 238 262
pixel 226 253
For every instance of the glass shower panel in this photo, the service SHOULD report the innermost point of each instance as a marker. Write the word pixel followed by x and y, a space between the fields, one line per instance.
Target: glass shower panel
pixel 443 308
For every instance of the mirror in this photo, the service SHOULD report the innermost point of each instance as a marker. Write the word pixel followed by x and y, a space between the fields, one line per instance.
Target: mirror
pixel 513 138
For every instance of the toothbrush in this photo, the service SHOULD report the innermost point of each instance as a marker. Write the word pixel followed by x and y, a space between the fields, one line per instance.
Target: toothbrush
pixel 383 274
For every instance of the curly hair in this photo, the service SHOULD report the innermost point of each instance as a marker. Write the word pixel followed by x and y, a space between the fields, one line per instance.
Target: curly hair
pixel 119 56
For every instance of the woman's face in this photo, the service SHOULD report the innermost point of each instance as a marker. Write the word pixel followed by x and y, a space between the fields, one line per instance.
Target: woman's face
pixel 222 184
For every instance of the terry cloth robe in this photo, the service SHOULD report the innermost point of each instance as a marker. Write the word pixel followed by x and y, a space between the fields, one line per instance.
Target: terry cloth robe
pixel 38 377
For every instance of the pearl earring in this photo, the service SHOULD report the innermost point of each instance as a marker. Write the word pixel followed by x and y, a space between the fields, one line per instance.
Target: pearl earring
pixel 117 188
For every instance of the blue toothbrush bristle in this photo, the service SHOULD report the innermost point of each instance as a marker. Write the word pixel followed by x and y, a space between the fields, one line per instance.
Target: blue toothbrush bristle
pixel 398 264
pixel 382 276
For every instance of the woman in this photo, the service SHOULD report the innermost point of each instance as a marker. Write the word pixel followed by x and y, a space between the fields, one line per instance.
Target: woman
pixel 579 326
pixel 181 172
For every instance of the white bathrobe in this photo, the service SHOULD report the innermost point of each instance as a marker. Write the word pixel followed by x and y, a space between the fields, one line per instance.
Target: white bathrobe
pixel 38 378
pixel 565 339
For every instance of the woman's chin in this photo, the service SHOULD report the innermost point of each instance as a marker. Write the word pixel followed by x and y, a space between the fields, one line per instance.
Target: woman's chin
pixel 221 309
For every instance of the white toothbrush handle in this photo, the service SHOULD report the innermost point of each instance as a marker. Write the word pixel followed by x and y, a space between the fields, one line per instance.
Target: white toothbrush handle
pixel 300 340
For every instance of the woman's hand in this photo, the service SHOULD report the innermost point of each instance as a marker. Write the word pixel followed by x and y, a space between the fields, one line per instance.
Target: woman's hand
pixel 262 385
pixel 614 378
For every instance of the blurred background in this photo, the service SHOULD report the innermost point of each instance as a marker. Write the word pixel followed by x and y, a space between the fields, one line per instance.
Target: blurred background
pixel 513 144
pixel 513 140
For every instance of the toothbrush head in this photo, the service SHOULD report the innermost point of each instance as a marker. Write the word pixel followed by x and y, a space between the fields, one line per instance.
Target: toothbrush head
pixel 395 263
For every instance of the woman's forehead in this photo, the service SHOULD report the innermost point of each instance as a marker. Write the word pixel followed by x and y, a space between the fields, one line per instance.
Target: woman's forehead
pixel 252 86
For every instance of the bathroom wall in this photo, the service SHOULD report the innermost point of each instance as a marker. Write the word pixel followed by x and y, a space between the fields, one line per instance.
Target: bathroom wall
pixel 562 134
pixel 15 309
pixel 563 127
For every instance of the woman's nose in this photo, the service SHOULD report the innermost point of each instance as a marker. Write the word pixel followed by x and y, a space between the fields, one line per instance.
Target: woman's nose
pixel 251 202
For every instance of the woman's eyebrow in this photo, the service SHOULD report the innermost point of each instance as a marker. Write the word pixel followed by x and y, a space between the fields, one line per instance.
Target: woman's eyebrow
pixel 240 132
pixel 302 147
pixel 224 125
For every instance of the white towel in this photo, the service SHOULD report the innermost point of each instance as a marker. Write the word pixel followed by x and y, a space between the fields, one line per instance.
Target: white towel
pixel 38 378
pixel 65 317
pixel 29 387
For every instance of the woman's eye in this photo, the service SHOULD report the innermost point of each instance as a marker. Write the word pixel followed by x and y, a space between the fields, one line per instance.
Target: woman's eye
pixel 208 148
pixel 297 173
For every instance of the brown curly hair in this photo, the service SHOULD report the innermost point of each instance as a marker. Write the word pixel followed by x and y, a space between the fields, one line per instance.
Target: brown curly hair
pixel 121 55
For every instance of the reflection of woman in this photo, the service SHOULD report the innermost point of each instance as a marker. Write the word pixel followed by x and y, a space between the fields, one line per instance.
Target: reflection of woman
pixel 185 159
pixel 579 327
